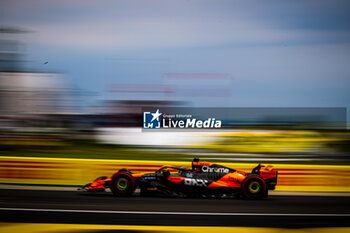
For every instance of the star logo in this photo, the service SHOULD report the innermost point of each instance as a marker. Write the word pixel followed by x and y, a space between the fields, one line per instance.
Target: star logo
pixel 156 115
pixel 151 120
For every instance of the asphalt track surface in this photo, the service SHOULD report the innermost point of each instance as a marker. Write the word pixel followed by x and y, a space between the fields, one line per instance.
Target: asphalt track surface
pixel 39 206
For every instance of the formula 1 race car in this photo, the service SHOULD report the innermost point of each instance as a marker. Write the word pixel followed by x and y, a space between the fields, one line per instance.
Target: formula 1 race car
pixel 204 179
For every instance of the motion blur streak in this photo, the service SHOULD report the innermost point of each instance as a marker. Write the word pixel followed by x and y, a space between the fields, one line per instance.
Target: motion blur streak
pixel 90 87
pixel 75 172
pixel 34 228
pixel 173 213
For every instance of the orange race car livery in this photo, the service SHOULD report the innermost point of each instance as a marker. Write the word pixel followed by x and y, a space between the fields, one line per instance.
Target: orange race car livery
pixel 204 179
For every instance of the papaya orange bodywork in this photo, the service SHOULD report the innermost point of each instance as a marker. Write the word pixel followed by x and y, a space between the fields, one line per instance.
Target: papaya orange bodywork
pixel 205 178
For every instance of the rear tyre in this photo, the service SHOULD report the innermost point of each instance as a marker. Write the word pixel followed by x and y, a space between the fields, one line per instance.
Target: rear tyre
pixel 123 184
pixel 254 187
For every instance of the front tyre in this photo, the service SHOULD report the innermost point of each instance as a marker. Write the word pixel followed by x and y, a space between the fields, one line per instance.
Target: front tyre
pixel 123 184
pixel 254 187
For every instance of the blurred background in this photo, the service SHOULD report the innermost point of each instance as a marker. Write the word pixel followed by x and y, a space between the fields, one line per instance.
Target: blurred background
pixel 75 76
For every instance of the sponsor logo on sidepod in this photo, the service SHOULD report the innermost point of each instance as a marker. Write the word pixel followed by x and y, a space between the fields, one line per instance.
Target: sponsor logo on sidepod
pixel 196 182
pixel 215 169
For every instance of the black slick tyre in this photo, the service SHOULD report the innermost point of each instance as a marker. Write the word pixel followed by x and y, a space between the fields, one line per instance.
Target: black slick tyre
pixel 123 184
pixel 254 187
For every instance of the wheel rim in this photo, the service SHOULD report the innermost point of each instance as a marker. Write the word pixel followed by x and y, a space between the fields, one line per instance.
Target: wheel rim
pixel 254 187
pixel 122 184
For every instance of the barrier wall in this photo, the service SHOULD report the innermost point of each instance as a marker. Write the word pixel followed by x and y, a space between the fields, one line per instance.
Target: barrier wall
pixel 76 172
